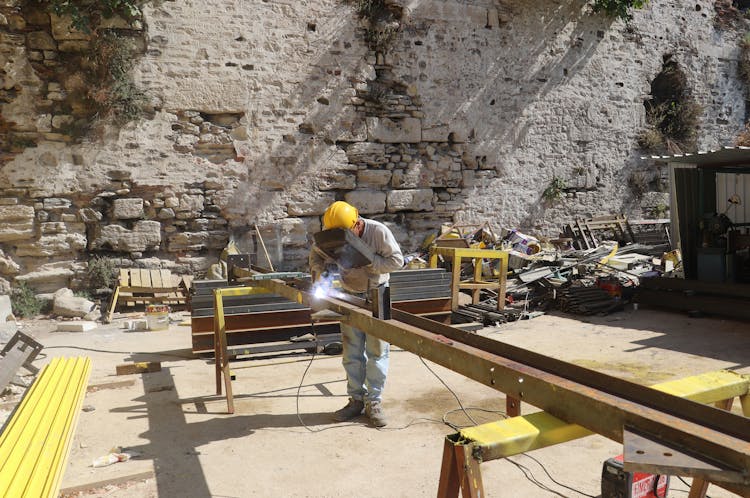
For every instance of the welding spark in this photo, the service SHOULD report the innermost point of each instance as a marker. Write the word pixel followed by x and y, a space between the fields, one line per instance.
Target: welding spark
pixel 323 287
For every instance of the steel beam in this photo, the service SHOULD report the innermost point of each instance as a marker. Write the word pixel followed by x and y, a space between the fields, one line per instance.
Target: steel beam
pixel 601 403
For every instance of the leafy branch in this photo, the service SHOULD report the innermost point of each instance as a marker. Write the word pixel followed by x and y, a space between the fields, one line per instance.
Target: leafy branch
pixel 84 14
pixel 618 8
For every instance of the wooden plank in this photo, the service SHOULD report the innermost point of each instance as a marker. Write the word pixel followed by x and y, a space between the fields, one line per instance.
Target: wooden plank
pixel 110 385
pixel 136 368
pixel 124 277
pixel 167 278
pixel 135 277
pixel 113 304
pixel 145 277
pixel 156 280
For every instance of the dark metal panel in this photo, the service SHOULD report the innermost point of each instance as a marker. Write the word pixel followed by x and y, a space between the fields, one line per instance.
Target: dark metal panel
pixel 686 189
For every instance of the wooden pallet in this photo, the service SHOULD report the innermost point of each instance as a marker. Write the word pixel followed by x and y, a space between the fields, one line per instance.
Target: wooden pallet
pixel 588 233
pixel 139 286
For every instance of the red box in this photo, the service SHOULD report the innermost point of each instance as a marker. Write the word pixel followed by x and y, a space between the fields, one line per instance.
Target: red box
pixel 616 483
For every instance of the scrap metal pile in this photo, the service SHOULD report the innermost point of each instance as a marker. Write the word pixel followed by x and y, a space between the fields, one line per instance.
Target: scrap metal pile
pixel 592 268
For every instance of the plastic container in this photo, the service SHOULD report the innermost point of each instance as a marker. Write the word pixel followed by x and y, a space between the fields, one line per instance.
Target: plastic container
pixel 157 316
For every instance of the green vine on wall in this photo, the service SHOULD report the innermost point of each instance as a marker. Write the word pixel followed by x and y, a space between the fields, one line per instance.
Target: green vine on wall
pixel 85 14
pixel 620 9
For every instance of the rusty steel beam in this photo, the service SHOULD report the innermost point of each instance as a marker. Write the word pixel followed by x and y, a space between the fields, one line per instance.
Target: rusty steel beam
pixel 603 404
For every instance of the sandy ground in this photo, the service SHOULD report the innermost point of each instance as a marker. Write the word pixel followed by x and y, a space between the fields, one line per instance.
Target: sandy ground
pixel 282 442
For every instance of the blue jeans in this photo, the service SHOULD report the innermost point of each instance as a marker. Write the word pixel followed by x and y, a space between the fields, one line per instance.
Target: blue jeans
pixel 365 360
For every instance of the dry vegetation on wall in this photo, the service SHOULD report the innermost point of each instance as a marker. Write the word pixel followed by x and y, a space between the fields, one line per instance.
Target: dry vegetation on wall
pixel 672 114
pixel 83 53
pixel 383 25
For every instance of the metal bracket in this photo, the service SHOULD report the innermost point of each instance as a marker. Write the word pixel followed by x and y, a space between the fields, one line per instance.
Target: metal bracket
pixel 21 350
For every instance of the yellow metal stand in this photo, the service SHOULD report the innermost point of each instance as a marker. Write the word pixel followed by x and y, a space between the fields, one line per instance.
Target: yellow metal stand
pixel 520 434
pixel 456 254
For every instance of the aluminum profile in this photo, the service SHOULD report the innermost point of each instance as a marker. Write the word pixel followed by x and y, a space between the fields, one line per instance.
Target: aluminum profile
pixel 35 441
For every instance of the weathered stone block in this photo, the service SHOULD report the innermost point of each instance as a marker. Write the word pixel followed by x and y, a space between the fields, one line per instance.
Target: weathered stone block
pixel 191 203
pixel 127 209
pixel 410 200
pixel 373 177
pixel 367 201
pixel 7 265
pixel 364 151
pixel 146 235
pixel 40 40
pixel 385 130
pixel 71 306
pixel 337 180
pixel 89 215
pixel 55 203
pixel 312 204
pixel 16 223
pixel 196 241
pixel 53 245
pixel 47 279
pixel 166 213
pixel 62 29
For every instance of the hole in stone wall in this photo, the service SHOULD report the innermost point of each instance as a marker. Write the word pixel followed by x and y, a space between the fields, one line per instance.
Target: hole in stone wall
pixel 671 112
pixel 208 135
pixel 240 38
pixel 492 102
pixel 248 67
pixel 741 4
pixel 231 64
pixel 311 26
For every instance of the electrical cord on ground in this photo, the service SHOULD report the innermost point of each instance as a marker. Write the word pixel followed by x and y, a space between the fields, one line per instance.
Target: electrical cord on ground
pixel 554 480
pixel 450 390
pixel 304 374
pixel 120 352
pixel 530 476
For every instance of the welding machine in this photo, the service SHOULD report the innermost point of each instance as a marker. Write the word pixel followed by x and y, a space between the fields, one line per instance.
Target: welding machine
pixel 616 483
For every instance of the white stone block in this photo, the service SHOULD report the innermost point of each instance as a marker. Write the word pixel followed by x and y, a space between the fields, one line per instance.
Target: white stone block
pixel 77 326
pixel 367 201
pixel 410 200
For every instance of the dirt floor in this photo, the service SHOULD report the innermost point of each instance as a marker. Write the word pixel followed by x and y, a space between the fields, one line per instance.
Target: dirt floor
pixel 282 442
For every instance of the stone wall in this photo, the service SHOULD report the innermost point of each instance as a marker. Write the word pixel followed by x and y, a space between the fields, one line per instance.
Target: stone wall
pixel 263 112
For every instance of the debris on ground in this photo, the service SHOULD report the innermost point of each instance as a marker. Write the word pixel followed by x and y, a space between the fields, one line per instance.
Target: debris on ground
pixel 593 267
pixel 115 455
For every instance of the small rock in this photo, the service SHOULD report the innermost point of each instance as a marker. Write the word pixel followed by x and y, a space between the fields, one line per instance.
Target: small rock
pixel 88 408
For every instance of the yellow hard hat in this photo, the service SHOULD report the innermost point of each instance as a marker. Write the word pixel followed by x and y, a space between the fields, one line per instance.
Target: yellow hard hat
pixel 340 214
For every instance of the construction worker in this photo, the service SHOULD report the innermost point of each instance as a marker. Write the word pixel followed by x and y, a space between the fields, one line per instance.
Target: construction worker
pixel 365 357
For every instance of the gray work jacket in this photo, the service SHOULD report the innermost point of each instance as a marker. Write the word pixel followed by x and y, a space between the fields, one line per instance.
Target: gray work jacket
pixel 388 258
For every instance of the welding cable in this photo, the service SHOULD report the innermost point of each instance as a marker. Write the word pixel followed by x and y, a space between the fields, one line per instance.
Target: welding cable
pixel 529 475
pixel 449 389
pixel 554 480
pixel 469 408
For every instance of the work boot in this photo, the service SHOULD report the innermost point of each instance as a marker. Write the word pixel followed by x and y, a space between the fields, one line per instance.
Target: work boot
pixel 352 409
pixel 375 411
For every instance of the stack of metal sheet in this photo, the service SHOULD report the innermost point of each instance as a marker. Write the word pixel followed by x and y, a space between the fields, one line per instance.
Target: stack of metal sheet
pixel 485 314
pixel 586 300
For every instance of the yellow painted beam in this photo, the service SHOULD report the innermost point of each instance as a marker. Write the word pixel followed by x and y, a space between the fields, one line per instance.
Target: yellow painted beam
pixel 35 444
pixel 538 430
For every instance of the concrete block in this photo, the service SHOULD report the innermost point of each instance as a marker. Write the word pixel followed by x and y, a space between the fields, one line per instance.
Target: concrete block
pixel 77 326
